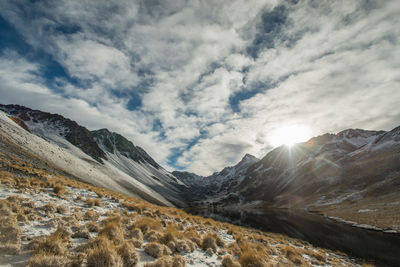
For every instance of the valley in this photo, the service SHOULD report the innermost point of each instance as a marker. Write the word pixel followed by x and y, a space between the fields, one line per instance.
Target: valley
pixel 345 183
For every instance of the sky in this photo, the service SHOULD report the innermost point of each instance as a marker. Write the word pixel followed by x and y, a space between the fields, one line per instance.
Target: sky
pixel 198 84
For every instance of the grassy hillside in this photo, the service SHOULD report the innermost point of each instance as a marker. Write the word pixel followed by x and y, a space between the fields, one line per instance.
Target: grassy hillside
pixel 49 219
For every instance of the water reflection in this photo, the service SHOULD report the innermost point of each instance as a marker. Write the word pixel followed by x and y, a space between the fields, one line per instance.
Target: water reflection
pixel 383 248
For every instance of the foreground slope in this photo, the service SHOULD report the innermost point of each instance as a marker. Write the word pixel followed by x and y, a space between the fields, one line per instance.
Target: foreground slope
pixel 48 219
pixel 64 143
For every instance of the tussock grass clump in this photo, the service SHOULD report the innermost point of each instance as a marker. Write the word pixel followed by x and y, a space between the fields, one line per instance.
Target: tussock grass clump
pixel 128 254
pixel 175 261
pixel 81 233
pixel 55 244
pixel 228 261
pixel 171 233
pixel 293 255
pixel 60 190
pixel 49 208
pixel 91 202
pixel 104 256
pixel 91 215
pixel 153 236
pixel 193 235
pixel 94 243
pixel 113 232
pixel 156 250
pixel 92 227
pixel 44 260
pixel 182 245
pixel 21 217
pixel 318 255
pixel 61 209
pixel 212 240
pixel 136 242
pixel 112 218
pixel 135 233
pixel 252 259
pixel 146 224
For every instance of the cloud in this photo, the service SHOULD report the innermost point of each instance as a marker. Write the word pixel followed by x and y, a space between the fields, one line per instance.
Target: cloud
pixel 198 84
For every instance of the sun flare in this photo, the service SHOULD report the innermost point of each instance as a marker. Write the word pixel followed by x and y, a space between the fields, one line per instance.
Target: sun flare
pixel 290 135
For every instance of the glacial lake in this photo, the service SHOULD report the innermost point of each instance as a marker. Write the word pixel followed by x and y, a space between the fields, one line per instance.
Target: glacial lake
pixel 382 249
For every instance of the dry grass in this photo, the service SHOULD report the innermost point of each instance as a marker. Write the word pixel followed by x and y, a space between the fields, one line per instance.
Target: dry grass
pixel 228 261
pixel 146 224
pixel 92 227
pixel 113 232
pixel 175 261
pixel 55 244
pixel 91 202
pixel 61 209
pixel 49 208
pixel 60 190
pixel 91 215
pixel 156 250
pixel 128 254
pixel 162 224
pixel 153 236
pixel 135 233
pixel 209 242
pixel 193 235
pixel 104 255
pixel 293 255
pixel 81 233
pixel 318 255
pixel 182 245
pixel 44 260
pixel 252 259
pixel 171 233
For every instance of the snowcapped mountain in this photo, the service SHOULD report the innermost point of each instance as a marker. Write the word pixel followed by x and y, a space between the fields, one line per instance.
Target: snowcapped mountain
pixel 353 165
pixel 344 169
pixel 100 157
pixel 219 183
pixel 56 128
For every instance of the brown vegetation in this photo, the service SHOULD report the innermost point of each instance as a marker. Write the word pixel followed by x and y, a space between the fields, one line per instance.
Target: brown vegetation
pixel 228 261
pixel 156 250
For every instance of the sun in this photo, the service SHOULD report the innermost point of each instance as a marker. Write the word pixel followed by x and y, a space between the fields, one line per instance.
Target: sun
pixel 289 135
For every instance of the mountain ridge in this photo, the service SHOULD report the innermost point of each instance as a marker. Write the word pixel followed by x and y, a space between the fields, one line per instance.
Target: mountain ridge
pixel 133 170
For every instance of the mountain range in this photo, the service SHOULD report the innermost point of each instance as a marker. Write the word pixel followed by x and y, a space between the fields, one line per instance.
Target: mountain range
pixel 340 175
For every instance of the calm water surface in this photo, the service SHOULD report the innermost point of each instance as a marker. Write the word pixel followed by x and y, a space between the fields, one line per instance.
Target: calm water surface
pixel 382 248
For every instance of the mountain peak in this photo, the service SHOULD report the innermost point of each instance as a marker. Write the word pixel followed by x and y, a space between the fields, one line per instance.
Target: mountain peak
pixel 249 156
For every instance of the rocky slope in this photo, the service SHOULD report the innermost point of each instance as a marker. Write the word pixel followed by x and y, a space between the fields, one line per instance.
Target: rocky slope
pixel 353 175
pixel 99 157
pixel 218 184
